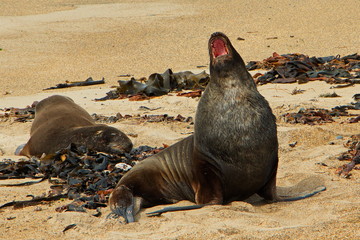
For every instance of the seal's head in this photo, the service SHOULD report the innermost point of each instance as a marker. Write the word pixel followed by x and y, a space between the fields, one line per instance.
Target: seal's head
pixel 225 61
pixel 101 138
pixel 121 203
pixel 111 139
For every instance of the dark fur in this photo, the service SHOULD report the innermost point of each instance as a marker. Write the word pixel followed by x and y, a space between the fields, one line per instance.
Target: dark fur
pixel 232 155
pixel 59 122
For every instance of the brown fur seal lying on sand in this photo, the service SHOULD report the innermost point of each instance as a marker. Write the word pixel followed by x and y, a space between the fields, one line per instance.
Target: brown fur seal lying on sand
pixel 59 122
pixel 232 155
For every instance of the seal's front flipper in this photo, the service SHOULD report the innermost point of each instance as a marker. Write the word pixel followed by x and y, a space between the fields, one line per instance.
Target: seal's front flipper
pixel 173 209
pixel 302 196
pixel 121 203
pixel 19 149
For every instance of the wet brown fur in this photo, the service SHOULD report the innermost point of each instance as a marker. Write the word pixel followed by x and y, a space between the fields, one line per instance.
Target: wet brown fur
pixel 59 122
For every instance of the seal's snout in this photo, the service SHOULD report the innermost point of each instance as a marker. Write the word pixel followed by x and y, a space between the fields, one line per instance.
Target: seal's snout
pixel 121 203
pixel 217 34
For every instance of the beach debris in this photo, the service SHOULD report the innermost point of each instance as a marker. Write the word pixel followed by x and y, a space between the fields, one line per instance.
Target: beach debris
pixel 270 38
pixel 240 39
pixel 87 82
pixel 123 166
pixel 314 116
pixel 293 144
pixel 144 108
pixel 355 119
pixel 86 177
pixel 343 86
pixel 157 85
pixel 329 95
pixel 68 227
pixel 352 154
pixel 125 75
pixel 192 94
pixel 34 201
pixel 23 183
pixel 297 91
pixel 142 118
pixel 295 67
pixel 20 114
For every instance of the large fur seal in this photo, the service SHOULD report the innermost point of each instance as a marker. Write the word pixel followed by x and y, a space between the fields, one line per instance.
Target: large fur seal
pixel 232 155
pixel 59 122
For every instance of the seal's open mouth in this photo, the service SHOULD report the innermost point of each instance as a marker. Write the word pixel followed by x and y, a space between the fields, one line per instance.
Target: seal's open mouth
pixel 219 47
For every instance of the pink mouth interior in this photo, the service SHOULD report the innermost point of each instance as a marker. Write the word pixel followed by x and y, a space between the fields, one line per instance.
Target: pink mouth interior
pixel 219 48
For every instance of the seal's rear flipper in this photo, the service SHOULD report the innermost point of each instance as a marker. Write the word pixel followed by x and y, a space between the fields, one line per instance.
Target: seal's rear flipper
pixel 302 196
pixel 173 209
pixel 19 148
pixel 121 203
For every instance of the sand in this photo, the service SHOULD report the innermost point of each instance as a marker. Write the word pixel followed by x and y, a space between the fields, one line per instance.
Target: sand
pixel 47 42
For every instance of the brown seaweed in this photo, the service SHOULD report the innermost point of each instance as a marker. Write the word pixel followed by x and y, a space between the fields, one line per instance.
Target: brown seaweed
pixel 288 68
pixel 192 94
pixel 20 114
pixel 87 82
pixel 142 118
pixel 353 154
pixel 157 85
pixel 329 95
pixel 68 227
pixel 314 116
pixel 34 201
pixel 87 177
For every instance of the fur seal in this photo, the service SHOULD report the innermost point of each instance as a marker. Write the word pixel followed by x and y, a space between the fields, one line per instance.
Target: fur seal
pixel 232 155
pixel 59 121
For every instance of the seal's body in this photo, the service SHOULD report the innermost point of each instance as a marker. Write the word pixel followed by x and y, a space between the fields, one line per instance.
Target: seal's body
pixel 59 122
pixel 232 155
pixel 235 131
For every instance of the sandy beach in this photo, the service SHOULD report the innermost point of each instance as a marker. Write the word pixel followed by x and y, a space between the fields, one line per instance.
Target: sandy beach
pixel 43 43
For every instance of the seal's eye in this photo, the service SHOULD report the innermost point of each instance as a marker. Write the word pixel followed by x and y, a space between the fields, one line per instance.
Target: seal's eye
pixel 219 48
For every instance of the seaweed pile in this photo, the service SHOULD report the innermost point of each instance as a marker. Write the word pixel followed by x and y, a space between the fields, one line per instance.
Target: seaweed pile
pixel 157 85
pixel 286 68
pixel 20 114
pixel 142 118
pixel 27 114
pixel 352 155
pixel 312 116
pixel 290 68
pixel 76 173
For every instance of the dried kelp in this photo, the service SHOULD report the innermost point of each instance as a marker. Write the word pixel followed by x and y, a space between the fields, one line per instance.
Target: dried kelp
pixel 87 82
pixel 20 114
pixel 85 176
pixel 314 116
pixel 33 202
pixel 192 94
pixel 142 118
pixel 158 85
pixel 289 68
pixel 329 95
pixel 353 154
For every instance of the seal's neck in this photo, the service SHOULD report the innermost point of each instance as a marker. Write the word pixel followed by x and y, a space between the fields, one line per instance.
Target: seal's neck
pixel 230 72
